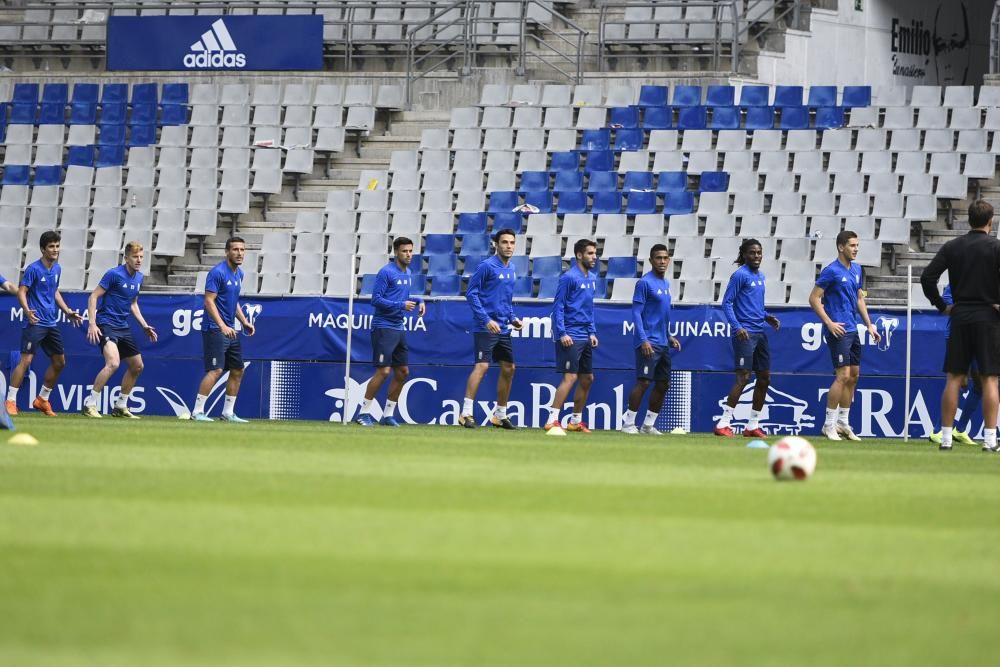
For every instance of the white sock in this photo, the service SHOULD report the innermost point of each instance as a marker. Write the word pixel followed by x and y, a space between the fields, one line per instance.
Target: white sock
pixel 227 408
pixel 754 421
pixel 12 393
pixel 500 412
pixel 727 417
pixel 842 416
pixel 946 436
pixel 467 407
pixel 628 419
pixel 553 416
pixel 576 418
pixel 92 399
pixel 831 417
pixel 122 401
pixel 199 403
pixel 390 409
pixel 650 418
pixel 366 406
pixel 44 393
pixel 990 437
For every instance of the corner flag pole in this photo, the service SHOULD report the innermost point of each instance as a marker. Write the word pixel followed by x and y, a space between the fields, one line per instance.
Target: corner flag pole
pixel 909 335
pixel 350 329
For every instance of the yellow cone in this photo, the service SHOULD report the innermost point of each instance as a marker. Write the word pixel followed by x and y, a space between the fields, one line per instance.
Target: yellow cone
pixel 24 439
pixel 556 430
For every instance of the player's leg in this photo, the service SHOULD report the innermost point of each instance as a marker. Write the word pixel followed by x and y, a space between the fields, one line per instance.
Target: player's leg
pixel 503 354
pixel 743 351
pixel 970 404
pixel 661 385
pixel 29 344
pixel 214 349
pixel 959 352
pixel 382 360
pixel 400 359
pixel 848 389
pixel 840 356
pixel 133 369
pixel 644 371
pixel 762 371
pixel 483 343
pixel 112 361
pixel 567 363
pixel 52 345
pixel 584 380
pixel 234 364
pixel 991 406
pixel 987 360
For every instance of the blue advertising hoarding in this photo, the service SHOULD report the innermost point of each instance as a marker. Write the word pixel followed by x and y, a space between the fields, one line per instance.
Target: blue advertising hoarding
pixel 234 43
pixel 301 343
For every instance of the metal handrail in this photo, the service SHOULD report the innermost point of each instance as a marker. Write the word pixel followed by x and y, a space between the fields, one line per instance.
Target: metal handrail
pixel 581 36
pixel 412 44
pixel 995 39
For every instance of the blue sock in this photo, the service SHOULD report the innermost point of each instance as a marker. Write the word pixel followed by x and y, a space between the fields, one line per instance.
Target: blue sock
pixel 971 405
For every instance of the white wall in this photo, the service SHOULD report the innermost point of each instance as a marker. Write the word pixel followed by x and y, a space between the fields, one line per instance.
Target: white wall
pixel 848 46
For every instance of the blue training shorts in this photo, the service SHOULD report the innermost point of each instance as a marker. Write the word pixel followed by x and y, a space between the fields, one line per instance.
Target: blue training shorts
pixel 577 358
pixel 35 336
pixel 655 368
pixel 120 337
pixel 846 350
pixel 493 347
pixel 389 348
pixel 221 352
pixel 753 353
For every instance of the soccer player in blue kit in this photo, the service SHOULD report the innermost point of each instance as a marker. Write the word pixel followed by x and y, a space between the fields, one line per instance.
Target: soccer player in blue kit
pixel 743 303
pixel 575 335
pixel 391 299
pixel 491 297
pixel 5 421
pixel 41 302
pixel 651 306
pixel 118 293
pixel 838 298
pixel 219 336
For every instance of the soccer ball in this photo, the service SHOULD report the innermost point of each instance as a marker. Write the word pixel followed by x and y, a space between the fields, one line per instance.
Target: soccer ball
pixel 792 458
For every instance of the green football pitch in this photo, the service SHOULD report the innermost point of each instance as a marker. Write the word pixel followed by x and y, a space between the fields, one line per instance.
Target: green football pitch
pixel 163 542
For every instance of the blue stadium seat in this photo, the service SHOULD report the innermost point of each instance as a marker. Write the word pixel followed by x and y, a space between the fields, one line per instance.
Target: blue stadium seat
pixel 546 267
pixel 144 93
pixel 143 113
pixel 55 92
pixel 80 156
pixel 446 285
pixel 720 96
pixel 754 96
pixel 418 284
pixel 629 139
pixel 672 181
pixel 439 244
pixel 520 264
pixel 547 287
pixel 523 286
pixel 572 202
pixel 788 96
pixel 622 267
pixel 568 181
pixel 640 202
pixel 540 200
pixel 174 114
pixel 713 181
pixel 599 161
pixel 653 96
pixel 442 265
pixel 795 118
pixel 725 118
pixel 678 203
pixel 760 118
pixel 175 93
pixel 111 135
pixel 472 223
pixel 509 220
pixel 475 244
pixel 3 122
pixel 658 118
pixel 638 180
pixel 564 161
pixel 471 262
pixel 83 113
pixel 624 117
pixel 857 96
pixel 596 140
pixel 601 289
pixel 602 181
pixel 85 93
pixel 16 174
pixel 25 93
pixel 23 113
pixel 52 113
pixel 114 92
pixel 416 264
pixel 113 113
pixel 822 96
pixel 829 118
pixel 504 201
pixel 687 96
pixel 49 175
pixel 607 202
pixel 534 181
pixel 110 156
pixel 692 118
pixel 367 284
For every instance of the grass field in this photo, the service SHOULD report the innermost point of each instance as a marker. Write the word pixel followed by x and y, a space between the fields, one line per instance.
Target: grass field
pixel 291 543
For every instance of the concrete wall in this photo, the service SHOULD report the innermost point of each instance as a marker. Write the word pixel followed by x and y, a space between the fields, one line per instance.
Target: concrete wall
pixel 889 44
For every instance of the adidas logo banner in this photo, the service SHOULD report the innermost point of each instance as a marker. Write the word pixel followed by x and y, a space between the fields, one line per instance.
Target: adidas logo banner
pixel 194 43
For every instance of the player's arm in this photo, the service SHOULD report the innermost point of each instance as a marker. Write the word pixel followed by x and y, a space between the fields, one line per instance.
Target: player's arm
pixel 559 311
pixel 8 287
pixel 473 295
pixel 74 317
pixel 929 279
pixel 213 312
pixel 728 303
pixel 247 325
pixel 863 311
pixel 93 332
pixel 816 302
pixel 137 314
pixel 22 298
pixel 638 304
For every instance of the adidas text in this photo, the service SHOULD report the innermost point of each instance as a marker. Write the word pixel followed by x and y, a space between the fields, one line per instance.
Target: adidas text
pixel 214 59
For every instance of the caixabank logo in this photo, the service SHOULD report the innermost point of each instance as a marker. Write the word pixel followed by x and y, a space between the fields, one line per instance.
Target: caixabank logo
pixel 215 49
